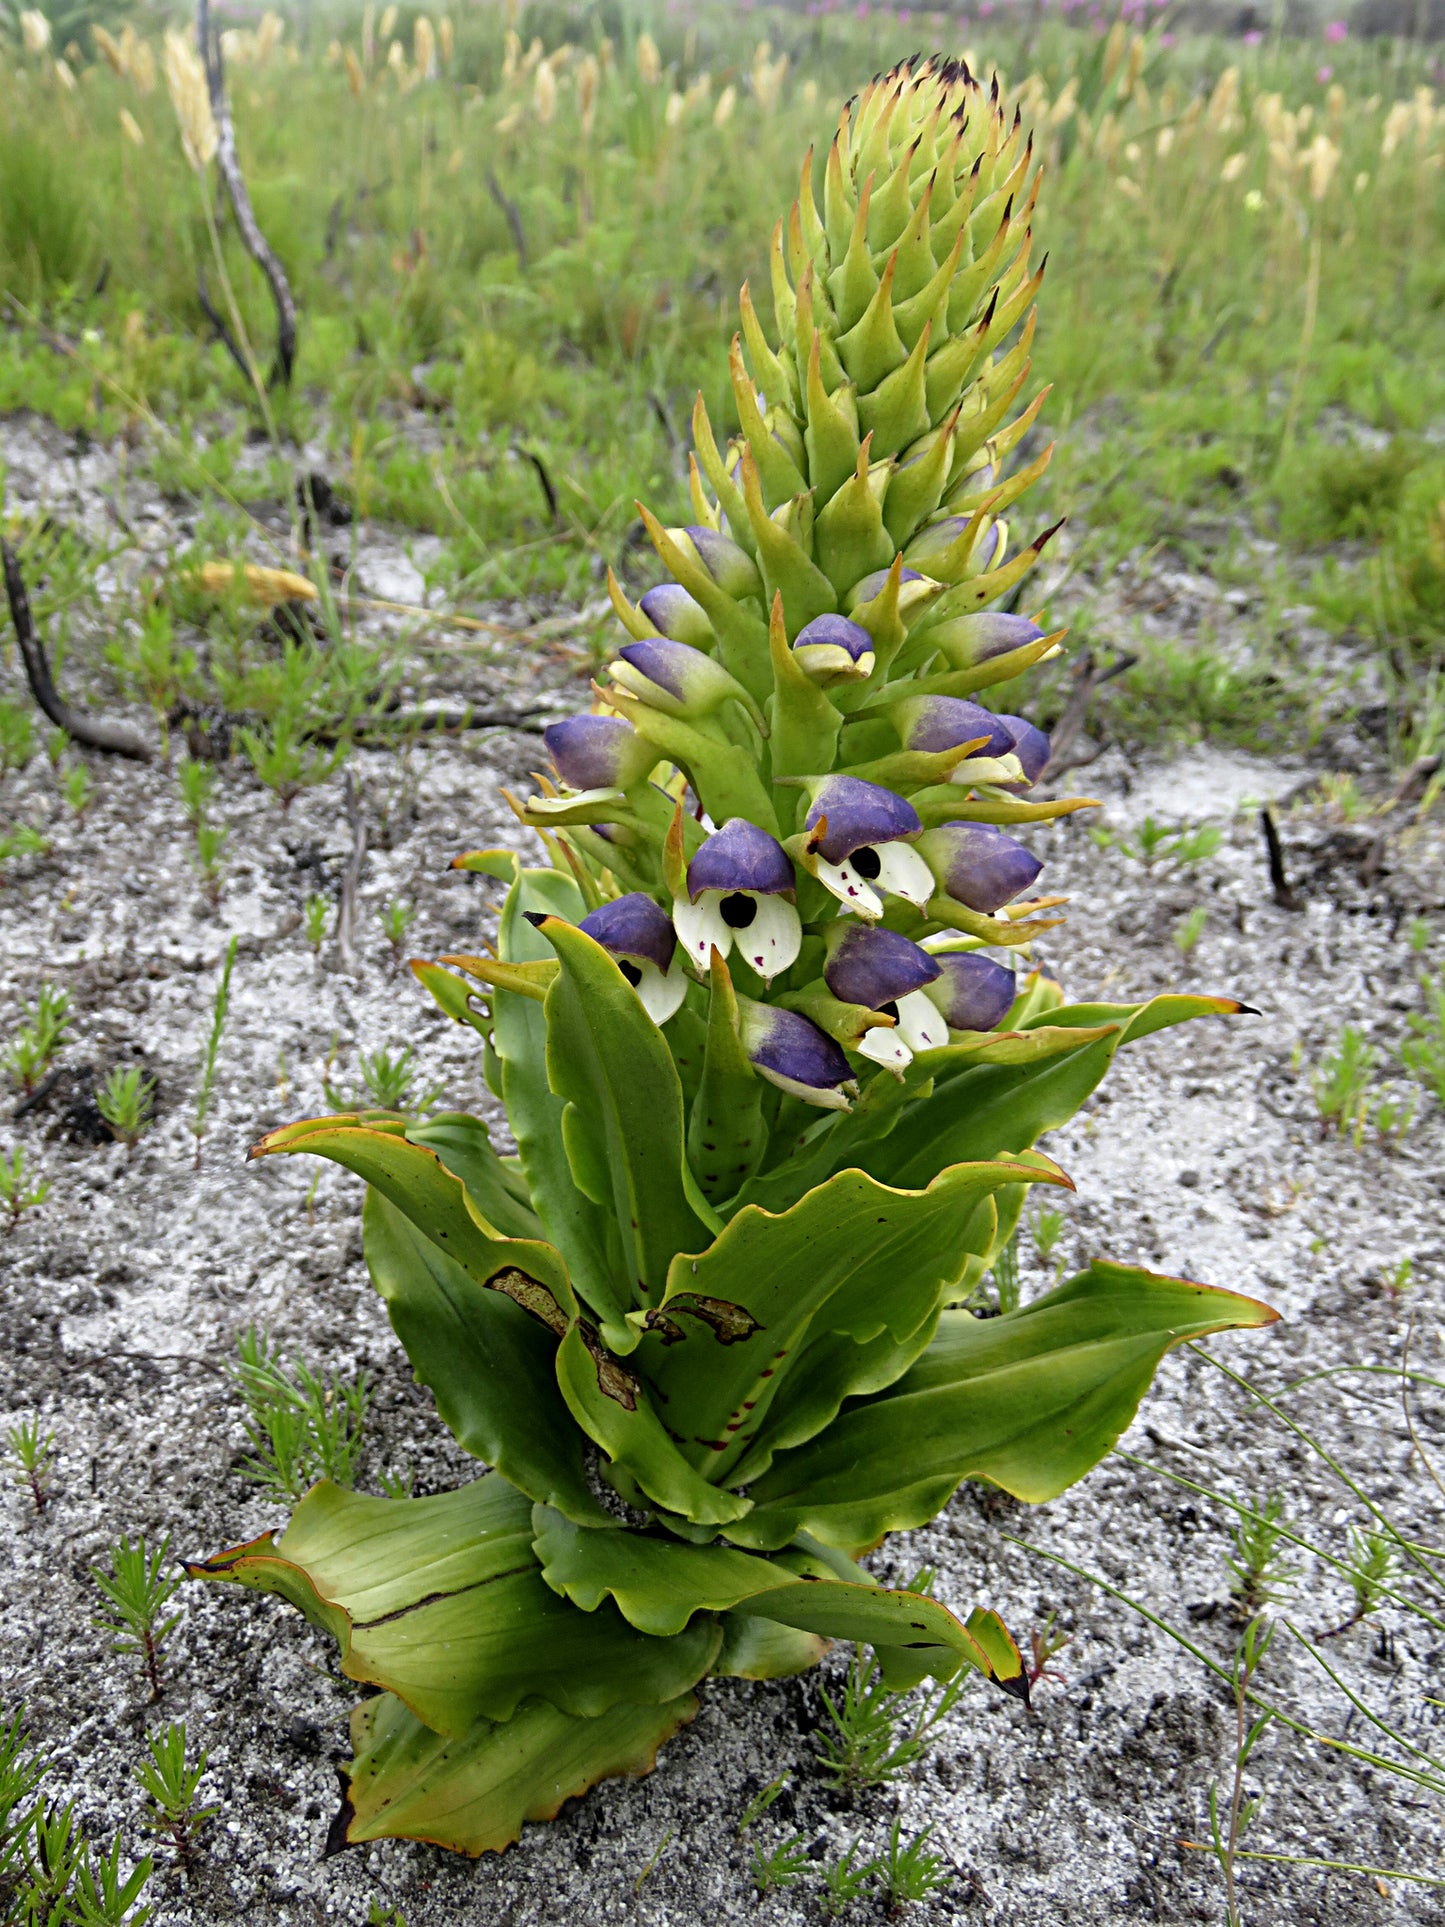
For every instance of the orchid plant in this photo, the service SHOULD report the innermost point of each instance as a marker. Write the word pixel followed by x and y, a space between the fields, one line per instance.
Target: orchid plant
pixel 773 1082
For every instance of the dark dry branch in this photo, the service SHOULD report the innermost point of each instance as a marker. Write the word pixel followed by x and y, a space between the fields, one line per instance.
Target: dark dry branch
pixel 1279 882
pixel 228 162
pixel 119 738
pixel 513 216
pixel 219 328
pixel 1088 678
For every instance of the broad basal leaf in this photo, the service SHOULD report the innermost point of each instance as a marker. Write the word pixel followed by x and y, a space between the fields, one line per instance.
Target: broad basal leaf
pixel 1029 1401
pixel 853 1256
pixel 497 1188
pixel 473 1793
pixel 623 1127
pixel 442 1602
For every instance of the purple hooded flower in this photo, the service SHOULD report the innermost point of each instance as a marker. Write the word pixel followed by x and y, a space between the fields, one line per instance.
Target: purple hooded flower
pixel 863 855
pixel 639 934
pixel 790 1051
pixel 676 678
pixel 934 723
pixel 972 639
pixel 883 971
pixel 833 649
pixel 978 865
pixel 972 992
pixel 874 584
pixel 740 889
pixel 598 752
pixel 673 613
pixel 1031 746
pixel 731 567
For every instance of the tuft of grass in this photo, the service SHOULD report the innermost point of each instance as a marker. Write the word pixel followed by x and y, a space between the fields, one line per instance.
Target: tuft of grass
pixel 38 1042
pixel 125 1101
pixel 301 1425
pixel 1341 1082
pixel 315 917
pixel 1423 1052
pixel 1262 1574
pixel 30 1453
pixel 207 1083
pixel 78 788
pixel 906 1870
pixel 19 1192
pixel 780 1866
pixel 171 1782
pixel 877 1736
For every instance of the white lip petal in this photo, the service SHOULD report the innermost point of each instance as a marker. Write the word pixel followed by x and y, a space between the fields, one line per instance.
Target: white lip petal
pixel 851 890
pixel 660 994
pixel 903 872
pixel 920 1022
pixel 700 928
pixel 772 940
pixel 825 1099
pixel 884 1045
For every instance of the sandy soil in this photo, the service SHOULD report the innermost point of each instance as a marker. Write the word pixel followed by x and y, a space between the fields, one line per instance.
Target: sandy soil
pixel 121 1300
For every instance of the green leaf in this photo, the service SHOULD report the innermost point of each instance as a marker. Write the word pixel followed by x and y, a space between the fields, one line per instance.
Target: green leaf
pixel 762 1649
pixel 579 1229
pixel 623 1127
pixel 451 993
pixel 497 1190
pixel 1029 1401
pixel 981 1111
pixel 726 1136
pixel 489 1362
pixel 661 1583
pixel 473 1794
pixel 442 1602
pixel 614 1408
pixel 853 1256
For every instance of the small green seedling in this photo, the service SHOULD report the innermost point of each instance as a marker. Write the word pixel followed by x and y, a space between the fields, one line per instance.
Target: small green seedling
pixel 761 1801
pixel 172 1784
pixel 315 917
pixel 1398 1280
pixel 1419 935
pixel 866 1747
pixel 56 743
pixel 301 1426
pixel 1190 929
pixel 211 840
pixel 784 1866
pixel 1154 842
pixel 283 763
pixel 658 1851
pixel 1262 1574
pixel 1341 1082
pixel 19 1777
pixel 1393 1115
pixel 389 1083
pixel 1045 1644
pixel 844 1879
pixel 1007 1289
pixel 1424 1051
pixel 197 782
pixel 137 1590
pixel 1048 1228
pixel 30 1453
pixel 50 1861
pixel 1373 1557
pixel 39 1041
pixel 18 1192
pixel 103 1897
pixel 396 919
pixel 78 789
pixel 907 1872
pixel 1227 1832
pixel 213 1044
pixel 17 737
pixel 379 1916
pixel 125 1101
pixel 19 841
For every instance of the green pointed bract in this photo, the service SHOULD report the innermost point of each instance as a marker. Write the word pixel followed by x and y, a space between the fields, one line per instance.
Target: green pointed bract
pixel 774 1089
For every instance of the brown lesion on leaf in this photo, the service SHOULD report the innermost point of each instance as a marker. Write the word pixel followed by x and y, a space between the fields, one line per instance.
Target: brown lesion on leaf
pixel 729 1324
pixel 614 1381
pixel 667 1329
pixel 531 1296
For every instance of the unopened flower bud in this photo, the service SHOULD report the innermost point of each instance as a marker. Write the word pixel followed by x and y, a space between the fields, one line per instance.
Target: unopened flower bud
pixel 977 865
pixel 791 1052
pixel 833 649
pixel 598 752
pixel 673 613
pixel 972 992
pixel 639 934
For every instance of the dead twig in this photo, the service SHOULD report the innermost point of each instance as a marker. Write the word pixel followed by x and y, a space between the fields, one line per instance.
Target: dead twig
pixel 513 215
pixel 118 738
pixel 1279 882
pixel 1414 783
pixel 351 879
pixel 229 165
pixel 1088 679
pixel 219 328
pixel 554 507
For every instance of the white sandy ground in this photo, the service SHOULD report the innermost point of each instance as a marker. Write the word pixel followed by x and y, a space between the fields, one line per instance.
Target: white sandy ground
pixel 121 1301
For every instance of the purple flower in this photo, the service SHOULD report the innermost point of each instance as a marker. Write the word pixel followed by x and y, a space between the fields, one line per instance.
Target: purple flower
pixel 969 640
pixel 673 613
pixel 731 567
pixel 791 1052
pixel 676 678
pixel 874 967
pixel 935 723
pixel 1336 31
pixel 1031 746
pixel 977 865
pixel 598 752
pixel 972 992
pixel 639 934
pixel 833 649
pixel 740 889
pixel 874 584
pixel 863 854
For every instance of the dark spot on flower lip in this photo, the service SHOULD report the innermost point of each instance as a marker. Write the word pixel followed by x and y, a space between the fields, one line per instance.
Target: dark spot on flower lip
pixel 738 910
pixel 867 863
pixel 630 971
